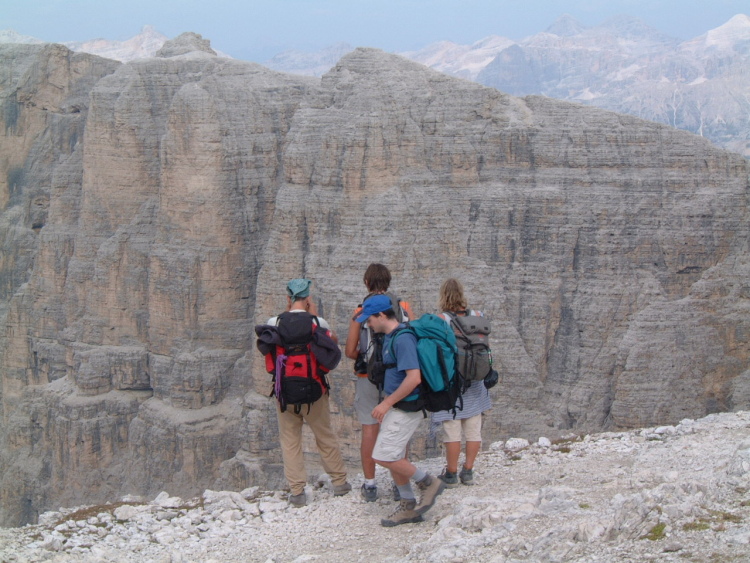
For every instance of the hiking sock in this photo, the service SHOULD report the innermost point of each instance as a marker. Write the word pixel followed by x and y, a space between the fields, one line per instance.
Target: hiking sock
pixel 419 474
pixel 371 483
pixel 406 491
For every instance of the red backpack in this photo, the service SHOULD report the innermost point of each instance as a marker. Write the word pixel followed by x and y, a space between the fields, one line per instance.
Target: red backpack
pixel 298 377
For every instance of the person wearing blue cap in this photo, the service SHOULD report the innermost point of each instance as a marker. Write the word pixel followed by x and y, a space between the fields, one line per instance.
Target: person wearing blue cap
pixel 399 413
pixel 317 417
pixel 362 346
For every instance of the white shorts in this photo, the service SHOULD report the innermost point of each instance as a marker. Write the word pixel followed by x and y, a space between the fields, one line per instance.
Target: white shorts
pixel 472 429
pixel 396 430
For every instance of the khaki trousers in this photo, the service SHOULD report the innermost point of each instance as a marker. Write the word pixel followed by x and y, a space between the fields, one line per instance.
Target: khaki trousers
pixel 290 437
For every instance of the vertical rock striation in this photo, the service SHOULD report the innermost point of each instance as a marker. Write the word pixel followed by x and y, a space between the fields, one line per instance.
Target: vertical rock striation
pixel 610 253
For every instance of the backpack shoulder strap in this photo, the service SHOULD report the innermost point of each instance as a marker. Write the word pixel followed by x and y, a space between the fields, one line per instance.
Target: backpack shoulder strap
pixel 453 320
pixel 406 310
pixel 398 332
pixel 396 306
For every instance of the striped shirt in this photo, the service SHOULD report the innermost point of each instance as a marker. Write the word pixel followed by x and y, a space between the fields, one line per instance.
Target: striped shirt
pixel 476 398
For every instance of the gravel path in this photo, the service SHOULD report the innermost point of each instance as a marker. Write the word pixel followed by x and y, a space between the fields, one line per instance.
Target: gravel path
pixel 675 493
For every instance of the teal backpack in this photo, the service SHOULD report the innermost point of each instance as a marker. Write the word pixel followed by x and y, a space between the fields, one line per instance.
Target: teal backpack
pixel 436 349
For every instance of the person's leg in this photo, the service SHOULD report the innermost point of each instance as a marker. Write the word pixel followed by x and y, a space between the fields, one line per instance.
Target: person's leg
pixel 389 452
pixel 451 430
pixel 369 437
pixel 396 430
pixel 366 397
pixel 473 433
pixel 319 421
pixel 401 471
pixel 290 438
pixel 472 450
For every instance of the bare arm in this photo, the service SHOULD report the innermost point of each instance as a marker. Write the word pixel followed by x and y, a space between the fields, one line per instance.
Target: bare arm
pixel 351 350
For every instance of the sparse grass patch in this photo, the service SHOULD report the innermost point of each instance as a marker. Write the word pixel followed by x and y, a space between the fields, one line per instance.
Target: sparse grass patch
pixel 89 511
pixel 696 526
pixel 567 440
pixel 723 516
pixel 584 505
pixel 516 458
pixel 561 449
pixel 656 533
pixel 716 521
pixel 722 558
pixel 197 502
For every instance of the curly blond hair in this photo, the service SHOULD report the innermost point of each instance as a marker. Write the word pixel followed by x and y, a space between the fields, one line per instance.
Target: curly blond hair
pixel 452 296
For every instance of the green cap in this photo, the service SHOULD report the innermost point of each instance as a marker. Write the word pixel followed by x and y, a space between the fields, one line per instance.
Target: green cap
pixel 298 288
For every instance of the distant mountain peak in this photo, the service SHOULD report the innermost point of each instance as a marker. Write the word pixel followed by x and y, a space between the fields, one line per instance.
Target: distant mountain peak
pixel 632 28
pixel 566 26
pixel 141 46
pixel 309 64
pixel 188 42
pixel 12 36
pixel 726 36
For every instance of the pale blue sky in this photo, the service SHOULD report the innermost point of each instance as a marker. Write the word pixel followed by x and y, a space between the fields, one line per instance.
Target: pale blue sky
pixel 256 30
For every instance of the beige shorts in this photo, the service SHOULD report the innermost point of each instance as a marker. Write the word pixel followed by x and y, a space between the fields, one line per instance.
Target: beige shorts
pixel 396 430
pixel 472 429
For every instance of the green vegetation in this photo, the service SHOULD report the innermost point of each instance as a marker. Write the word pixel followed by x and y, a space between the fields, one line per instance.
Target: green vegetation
pixel 696 526
pixel 656 533
pixel 723 516
pixel 90 511
pixel 716 520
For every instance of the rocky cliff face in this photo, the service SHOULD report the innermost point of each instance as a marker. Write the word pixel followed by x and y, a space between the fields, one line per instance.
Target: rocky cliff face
pixel 153 218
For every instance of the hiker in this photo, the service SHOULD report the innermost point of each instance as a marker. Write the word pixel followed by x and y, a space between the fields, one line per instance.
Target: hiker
pixel 399 413
pixel 476 400
pixel 360 342
pixel 316 414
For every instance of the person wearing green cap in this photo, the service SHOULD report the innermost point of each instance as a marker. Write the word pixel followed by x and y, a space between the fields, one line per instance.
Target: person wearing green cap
pixel 298 288
pixel 317 417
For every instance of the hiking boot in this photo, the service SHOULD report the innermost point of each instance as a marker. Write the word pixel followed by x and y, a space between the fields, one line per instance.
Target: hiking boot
pixel 396 493
pixel 466 476
pixel 430 487
pixel 298 501
pixel 341 490
pixel 450 479
pixel 404 514
pixel 370 494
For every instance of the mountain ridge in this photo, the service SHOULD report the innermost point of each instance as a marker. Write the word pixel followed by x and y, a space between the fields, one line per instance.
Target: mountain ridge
pixel 146 205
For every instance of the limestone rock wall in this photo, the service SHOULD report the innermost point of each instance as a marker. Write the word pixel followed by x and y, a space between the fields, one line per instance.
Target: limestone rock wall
pixel 610 253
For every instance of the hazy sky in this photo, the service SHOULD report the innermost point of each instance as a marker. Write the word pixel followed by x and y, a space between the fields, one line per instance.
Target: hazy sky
pixel 256 30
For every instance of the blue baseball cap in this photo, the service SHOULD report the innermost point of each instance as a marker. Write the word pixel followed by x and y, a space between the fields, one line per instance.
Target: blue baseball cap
pixel 373 305
pixel 298 288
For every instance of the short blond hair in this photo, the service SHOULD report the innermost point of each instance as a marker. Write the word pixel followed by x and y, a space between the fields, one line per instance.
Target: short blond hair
pixel 452 296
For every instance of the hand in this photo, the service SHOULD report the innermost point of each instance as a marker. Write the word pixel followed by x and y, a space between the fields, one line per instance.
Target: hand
pixel 311 307
pixel 379 411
